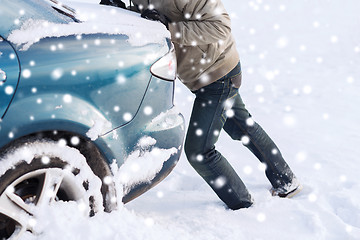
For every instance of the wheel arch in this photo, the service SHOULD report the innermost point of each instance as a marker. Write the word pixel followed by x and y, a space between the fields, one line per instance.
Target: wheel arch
pixel 95 158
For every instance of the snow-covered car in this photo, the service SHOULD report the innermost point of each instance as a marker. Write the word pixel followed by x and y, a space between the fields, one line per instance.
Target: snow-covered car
pixel 86 107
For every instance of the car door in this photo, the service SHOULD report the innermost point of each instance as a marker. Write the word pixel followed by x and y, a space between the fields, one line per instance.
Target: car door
pixel 9 75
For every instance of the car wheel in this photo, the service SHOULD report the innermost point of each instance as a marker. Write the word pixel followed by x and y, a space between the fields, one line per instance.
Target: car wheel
pixel 40 173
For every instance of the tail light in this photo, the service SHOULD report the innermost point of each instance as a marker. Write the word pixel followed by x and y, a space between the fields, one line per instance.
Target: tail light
pixel 165 67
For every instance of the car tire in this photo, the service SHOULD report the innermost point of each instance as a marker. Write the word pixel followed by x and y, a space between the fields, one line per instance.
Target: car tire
pixel 42 172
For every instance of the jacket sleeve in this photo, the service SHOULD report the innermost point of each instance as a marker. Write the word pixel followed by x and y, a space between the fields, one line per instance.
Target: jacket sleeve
pixel 201 22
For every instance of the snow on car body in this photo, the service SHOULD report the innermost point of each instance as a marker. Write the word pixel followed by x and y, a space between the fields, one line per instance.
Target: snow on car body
pixel 101 83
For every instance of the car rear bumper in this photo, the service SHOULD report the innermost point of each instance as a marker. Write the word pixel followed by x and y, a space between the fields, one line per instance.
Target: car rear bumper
pixel 145 150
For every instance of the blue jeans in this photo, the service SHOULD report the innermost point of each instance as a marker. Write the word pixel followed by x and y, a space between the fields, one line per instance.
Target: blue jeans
pixel 219 106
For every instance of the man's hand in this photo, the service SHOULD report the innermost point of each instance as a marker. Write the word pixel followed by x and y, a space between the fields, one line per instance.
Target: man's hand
pixel 115 3
pixel 155 15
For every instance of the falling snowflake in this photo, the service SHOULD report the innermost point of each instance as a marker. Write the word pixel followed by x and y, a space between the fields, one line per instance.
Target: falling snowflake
pixel 75 140
pixel 349 228
pixel 108 180
pixel 288 108
pixel 261 217
pixel 247 170
pixel 259 88
pixel 57 73
pixel 343 178
pixel 262 166
pixel 67 98
pixel 250 122
pixel 9 90
pixel 252 31
pixel 312 197
pixel 245 140
pixel 32 222
pixel 274 151
pixel 301 156
pixel 302 48
pixel 325 116
pixel 26 73
pixel 160 194
pixel 296 91
pixel 120 79
pixel 319 59
pixel 220 182
pixel 148 110
pixel 62 142
pixel 350 80
pixel 45 160
pixel 317 166
pixel 289 120
pixel 127 116
pixel 230 113
pixel 334 39
pixel 250 70
pixel 316 24
pixel 199 132
pixel 282 42
pixel 282 8
pixel 11 135
pixel 116 108
pixel 307 89
pixel 199 157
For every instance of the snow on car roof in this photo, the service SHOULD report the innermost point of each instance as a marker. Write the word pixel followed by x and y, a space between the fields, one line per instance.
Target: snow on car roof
pixel 94 19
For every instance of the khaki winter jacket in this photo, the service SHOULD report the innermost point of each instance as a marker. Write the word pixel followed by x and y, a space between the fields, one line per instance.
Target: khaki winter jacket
pixel 201 33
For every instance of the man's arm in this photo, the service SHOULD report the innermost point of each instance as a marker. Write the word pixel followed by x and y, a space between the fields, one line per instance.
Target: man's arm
pixel 203 22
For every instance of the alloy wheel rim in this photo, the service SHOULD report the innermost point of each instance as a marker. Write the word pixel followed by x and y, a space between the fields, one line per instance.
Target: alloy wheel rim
pixel 20 200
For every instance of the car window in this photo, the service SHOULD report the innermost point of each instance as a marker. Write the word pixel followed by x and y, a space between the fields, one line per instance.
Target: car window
pixel 14 13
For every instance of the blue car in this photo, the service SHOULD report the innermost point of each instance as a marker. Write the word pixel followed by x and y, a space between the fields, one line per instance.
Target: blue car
pixel 86 108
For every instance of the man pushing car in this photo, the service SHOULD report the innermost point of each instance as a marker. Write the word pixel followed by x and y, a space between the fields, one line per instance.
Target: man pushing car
pixel 209 65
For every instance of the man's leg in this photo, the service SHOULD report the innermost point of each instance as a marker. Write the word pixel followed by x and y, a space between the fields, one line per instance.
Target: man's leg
pixel 241 126
pixel 207 120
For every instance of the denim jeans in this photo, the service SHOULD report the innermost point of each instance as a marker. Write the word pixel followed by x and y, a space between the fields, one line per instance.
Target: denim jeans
pixel 219 106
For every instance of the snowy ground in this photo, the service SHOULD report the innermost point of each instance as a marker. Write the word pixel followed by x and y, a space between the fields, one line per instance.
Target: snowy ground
pixel 301 79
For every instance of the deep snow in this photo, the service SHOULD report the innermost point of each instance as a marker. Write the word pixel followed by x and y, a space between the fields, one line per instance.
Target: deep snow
pixel 301 80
